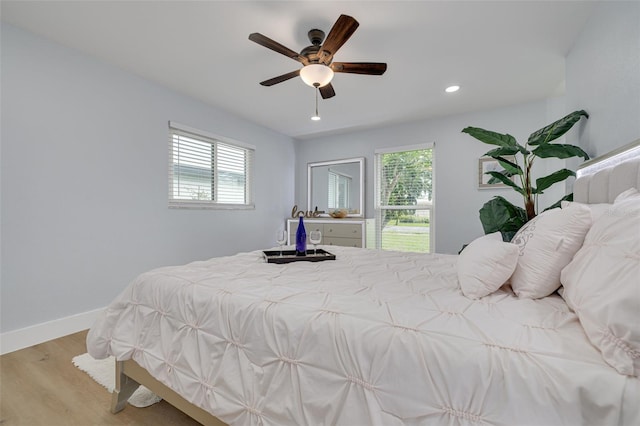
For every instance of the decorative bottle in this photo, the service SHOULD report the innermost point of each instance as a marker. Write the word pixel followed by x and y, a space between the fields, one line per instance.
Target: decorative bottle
pixel 301 239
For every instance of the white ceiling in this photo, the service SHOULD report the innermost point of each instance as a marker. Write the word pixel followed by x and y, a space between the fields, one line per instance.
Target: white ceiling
pixel 501 53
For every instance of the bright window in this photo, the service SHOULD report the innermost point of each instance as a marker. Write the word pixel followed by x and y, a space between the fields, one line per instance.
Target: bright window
pixel 206 171
pixel 339 190
pixel 404 198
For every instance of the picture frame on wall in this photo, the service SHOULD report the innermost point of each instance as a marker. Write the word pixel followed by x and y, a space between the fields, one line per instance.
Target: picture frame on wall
pixel 488 164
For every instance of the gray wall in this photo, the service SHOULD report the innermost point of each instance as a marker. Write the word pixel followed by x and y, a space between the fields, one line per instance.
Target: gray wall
pixel 84 182
pixel 603 77
pixel 457 198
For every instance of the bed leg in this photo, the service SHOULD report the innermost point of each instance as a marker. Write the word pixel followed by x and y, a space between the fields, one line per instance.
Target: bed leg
pixel 125 387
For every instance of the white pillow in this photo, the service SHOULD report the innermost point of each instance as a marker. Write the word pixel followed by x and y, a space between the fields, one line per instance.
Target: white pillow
pixel 485 265
pixel 602 285
pixel 597 210
pixel 628 194
pixel 547 244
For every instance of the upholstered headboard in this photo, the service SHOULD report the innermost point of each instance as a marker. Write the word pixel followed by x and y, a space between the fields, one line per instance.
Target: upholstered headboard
pixel 601 180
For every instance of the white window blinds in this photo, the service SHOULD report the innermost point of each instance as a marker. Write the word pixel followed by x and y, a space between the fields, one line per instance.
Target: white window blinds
pixel 206 171
pixel 339 190
pixel 404 198
pixel 332 190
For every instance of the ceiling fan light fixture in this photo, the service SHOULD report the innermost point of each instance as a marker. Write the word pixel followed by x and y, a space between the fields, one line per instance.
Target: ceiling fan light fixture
pixel 316 75
pixel 318 68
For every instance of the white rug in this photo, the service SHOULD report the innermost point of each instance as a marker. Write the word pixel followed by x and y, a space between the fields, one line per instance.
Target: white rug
pixel 103 371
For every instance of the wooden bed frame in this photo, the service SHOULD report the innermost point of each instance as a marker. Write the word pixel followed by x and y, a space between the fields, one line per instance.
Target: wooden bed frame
pixel 130 375
pixel 593 188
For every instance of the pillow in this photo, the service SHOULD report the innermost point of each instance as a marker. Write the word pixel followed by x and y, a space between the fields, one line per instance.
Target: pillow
pixel 628 194
pixel 597 210
pixel 485 265
pixel 602 286
pixel 547 244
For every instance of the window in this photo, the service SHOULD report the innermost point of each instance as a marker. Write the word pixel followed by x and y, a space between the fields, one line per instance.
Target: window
pixel 404 198
pixel 339 190
pixel 206 171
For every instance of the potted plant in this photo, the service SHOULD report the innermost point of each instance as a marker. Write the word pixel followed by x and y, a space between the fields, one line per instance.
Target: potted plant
pixel 498 214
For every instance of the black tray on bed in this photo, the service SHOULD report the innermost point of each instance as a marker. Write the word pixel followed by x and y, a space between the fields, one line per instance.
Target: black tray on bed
pixel 288 256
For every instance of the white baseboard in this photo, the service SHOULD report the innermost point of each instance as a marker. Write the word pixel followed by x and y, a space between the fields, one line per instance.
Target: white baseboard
pixel 39 333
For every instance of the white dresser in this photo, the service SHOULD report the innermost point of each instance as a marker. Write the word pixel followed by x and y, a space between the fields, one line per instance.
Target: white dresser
pixel 335 232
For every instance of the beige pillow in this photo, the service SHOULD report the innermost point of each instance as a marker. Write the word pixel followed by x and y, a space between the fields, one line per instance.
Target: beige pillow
pixel 628 194
pixel 485 265
pixel 597 210
pixel 602 285
pixel 547 244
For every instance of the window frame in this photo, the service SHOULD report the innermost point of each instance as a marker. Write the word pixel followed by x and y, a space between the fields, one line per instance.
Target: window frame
pixel 378 208
pixel 215 141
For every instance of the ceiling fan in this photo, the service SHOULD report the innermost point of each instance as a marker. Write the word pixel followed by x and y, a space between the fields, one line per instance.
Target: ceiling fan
pixel 317 59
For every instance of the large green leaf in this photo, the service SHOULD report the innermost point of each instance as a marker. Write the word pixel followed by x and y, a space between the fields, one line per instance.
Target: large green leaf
pixel 506 180
pixel 489 137
pixel 557 150
pixel 498 152
pixel 498 214
pixel 507 150
pixel 511 167
pixel 556 129
pixel 557 204
pixel 555 177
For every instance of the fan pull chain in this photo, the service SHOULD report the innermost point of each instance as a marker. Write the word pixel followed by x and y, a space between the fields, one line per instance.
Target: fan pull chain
pixel 317 116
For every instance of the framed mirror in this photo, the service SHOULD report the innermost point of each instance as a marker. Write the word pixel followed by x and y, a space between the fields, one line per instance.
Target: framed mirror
pixel 336 185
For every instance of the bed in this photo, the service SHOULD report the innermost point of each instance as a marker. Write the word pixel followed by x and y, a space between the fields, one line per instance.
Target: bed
pixel 376 338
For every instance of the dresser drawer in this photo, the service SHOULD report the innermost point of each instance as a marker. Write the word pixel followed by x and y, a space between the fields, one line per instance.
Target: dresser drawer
pixel 344 242
pixel 308 227
pixel 313 227
pixel 343 230
pixel 334 231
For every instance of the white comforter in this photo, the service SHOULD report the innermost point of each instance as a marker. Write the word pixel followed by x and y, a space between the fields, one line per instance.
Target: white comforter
pixel 370 338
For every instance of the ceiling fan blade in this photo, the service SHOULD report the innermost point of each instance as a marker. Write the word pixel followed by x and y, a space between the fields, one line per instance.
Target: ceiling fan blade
pixel 327 91
pixel 370 68
pixel 280 78
pixel 276 47
pixel 344 27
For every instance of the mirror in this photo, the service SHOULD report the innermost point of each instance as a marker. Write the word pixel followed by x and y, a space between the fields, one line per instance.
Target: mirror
pixel 336 185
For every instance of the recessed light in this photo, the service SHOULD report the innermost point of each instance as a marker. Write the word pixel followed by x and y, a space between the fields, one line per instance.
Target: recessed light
pixel 452 89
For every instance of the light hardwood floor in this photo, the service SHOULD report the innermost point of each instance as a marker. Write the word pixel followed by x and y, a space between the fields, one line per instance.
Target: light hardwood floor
pixel 40 386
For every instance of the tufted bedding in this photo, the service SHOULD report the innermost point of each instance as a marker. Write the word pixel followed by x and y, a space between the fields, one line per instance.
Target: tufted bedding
pixel 372 338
